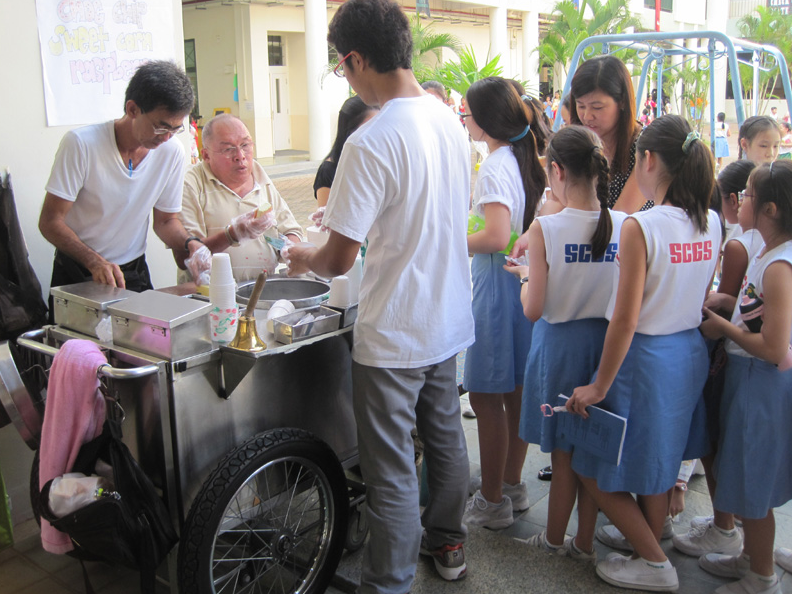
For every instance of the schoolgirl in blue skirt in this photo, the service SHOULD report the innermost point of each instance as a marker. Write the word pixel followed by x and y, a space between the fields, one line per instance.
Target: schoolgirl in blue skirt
pixel 572 271
pixel 753 467
pixel 654 361
pixel 509 186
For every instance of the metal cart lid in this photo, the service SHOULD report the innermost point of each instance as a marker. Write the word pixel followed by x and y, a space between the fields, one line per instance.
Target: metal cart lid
pixel 91 294
pixel 160 309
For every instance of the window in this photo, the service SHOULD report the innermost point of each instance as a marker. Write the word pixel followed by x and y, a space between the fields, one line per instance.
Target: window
pixel 275 47
pixel 192 72
pixel 665 5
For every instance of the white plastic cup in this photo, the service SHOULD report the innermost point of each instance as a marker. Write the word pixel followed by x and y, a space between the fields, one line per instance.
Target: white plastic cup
pixel 224 294
pixel 317 236
pixel 280 308
pixel 223 319
pixel 221 273
pixel 340 292
pixel 355 275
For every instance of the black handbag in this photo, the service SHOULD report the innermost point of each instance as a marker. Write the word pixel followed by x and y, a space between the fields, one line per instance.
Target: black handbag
pixel 131 526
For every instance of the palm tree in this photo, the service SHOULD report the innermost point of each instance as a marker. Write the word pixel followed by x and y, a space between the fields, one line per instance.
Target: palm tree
pixel 427 43
pixel 458 76
pixel 570 28
pixel 767 26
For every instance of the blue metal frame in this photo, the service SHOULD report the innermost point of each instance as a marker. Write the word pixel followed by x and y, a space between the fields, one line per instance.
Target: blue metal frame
pixel 658 46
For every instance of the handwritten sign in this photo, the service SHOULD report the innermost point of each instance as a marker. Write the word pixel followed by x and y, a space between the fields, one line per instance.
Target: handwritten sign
pixel 91 48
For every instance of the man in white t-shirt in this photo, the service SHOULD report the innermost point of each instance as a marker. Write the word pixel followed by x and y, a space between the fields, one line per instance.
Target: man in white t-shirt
pixel 402 185
pixel 108 178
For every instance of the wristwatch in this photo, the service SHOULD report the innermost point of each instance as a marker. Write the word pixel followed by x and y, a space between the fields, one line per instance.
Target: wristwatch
pixel 681 485
pixel 188 240
pixel 523 280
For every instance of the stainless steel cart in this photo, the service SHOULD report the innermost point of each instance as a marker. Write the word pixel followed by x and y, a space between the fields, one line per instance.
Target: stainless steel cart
pixel 252 453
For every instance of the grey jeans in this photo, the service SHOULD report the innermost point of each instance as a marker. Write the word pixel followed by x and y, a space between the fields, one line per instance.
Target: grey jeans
pixel 388 403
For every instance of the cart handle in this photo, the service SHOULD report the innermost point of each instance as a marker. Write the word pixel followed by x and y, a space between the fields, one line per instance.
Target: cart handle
pixel 28 340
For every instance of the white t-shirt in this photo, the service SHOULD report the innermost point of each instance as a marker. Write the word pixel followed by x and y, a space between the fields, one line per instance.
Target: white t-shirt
pixel 680 262
pixel 577 287
pixel 752 241
pixel 112 208
pixel 499 181
pixel 753 286
pixel 403 183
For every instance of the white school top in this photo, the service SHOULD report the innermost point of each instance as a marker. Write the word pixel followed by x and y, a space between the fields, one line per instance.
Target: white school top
pixel 753 286
pixel 577 286
pixel 680 263
pixel 112 208
pixel 403 184
pixel 752 241
pixel 499 181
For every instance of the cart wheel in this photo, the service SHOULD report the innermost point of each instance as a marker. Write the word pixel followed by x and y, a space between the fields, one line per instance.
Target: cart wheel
pixel 357 527
pixel 271 517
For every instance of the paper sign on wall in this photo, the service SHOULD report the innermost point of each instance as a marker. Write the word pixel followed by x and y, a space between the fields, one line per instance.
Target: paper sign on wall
pixel 91 48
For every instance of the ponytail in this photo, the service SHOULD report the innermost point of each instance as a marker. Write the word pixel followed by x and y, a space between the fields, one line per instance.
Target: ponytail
pixel 688 162
pixel 578 151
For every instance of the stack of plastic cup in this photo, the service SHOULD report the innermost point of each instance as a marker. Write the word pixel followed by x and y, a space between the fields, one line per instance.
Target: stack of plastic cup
pixel 222 294
pixel 340 292
pixel 355 275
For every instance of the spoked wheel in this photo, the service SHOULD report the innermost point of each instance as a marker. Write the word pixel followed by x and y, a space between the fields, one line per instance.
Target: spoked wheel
pixel 271 518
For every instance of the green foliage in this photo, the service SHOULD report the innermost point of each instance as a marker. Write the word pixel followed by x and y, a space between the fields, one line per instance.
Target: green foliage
pixel 570 28
pixel 458 76
pixel 427 43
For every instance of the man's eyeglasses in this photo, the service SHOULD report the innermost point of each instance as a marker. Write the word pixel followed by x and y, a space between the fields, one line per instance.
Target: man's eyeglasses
pixel 339 69
pixel 231 151
pixel 742 196
pixel 161 131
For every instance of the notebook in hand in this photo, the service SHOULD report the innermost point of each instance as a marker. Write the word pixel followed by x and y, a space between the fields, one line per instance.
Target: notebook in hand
pixel 602 434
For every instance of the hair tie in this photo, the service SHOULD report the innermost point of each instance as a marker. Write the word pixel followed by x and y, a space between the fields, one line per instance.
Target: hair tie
pixel 689 139
pixel 521 135
pixel 525 97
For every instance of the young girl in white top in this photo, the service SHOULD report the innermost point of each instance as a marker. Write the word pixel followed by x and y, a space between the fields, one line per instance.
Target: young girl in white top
pixel 572 271
pixel 755 450
pixel 722 132
pixel 759 139
pixel 654 361
pixel 509 186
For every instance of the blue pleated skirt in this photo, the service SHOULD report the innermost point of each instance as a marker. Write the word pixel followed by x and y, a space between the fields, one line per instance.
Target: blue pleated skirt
pixel 562 357
pixel 721 147
pixel 495 363
pixel 657 389
pixel 753 465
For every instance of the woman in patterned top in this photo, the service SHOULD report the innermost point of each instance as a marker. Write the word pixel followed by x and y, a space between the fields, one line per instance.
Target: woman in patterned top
pixel 603 100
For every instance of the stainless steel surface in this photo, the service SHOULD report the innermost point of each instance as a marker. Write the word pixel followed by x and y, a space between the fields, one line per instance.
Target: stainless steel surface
pixel 28 340
pixel 288 328
pixel 348 313
pixel 82 306
pixel 162 325
pixel 15 400
pixel 301 292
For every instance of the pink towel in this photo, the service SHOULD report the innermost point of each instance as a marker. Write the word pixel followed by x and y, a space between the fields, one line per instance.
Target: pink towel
pixel 74 415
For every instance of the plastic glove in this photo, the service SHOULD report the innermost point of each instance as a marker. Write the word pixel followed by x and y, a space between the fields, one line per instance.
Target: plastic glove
pixel 247 226
pixel 199 265
pixel 316 218
pixel 284 251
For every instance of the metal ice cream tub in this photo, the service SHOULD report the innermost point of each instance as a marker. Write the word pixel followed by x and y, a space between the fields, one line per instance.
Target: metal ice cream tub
pixel 162 325
pixel 300 291
pixel 82 306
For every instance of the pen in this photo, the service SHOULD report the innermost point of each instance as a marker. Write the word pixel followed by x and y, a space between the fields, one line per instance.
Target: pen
pixel 130 168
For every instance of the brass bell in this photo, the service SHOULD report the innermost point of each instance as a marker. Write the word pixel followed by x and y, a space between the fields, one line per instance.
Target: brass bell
pixel 247 338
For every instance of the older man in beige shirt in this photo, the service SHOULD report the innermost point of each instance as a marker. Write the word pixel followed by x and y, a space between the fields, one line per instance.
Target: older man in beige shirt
pixel 221 197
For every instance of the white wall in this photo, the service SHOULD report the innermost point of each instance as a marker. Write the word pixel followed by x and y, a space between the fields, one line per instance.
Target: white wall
pixel 27 150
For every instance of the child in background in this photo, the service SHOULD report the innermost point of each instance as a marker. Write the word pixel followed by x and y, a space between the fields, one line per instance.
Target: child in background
pixel 573 265
pixel 654 361
pixel 785 150
pixel 509 187
pixel 722 132
pixel 759 139
pixel 757 399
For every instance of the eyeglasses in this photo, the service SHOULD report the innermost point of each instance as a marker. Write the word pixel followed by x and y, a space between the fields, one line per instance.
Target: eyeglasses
pixel 339 69
pixel 161 131
pixel 231 151
pixel 742 196
pixel 465 115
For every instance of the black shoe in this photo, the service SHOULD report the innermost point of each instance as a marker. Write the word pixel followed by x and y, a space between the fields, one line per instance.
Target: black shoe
pixel 546 473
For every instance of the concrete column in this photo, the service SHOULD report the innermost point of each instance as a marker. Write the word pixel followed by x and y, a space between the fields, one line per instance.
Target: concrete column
pixel 319 137
pixel 717 17
pixel 499 39
pixel 530 58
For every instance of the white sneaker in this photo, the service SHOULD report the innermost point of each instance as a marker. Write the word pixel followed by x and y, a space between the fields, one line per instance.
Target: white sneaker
pixel 638 574
pixel 480 512
pixel 571 550
pixel 568 549
pixel 708 539
pixel 729 566
pixel 783 558
pixel 752 584
pixel 468 412
pixel 517 493
pixel 611 536
pixel 704 520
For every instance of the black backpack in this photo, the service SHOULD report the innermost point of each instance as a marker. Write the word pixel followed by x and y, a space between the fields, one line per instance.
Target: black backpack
pixel 133 529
